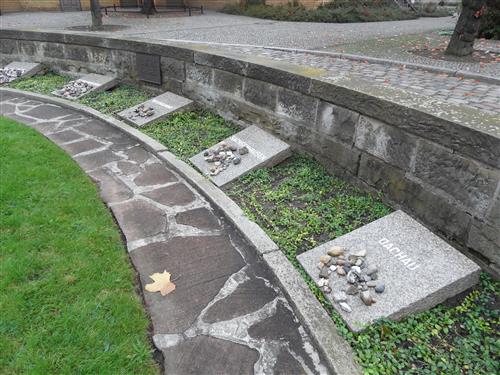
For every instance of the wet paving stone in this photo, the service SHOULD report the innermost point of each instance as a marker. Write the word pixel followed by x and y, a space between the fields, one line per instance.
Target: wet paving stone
pixel 199 265
pixel 201 218
pixel 207 355
pixel 154 174
pixel 139 219
pixel 112 189
pixel 96 160
pixel 75 148
pixel 64 136
pixel 174 195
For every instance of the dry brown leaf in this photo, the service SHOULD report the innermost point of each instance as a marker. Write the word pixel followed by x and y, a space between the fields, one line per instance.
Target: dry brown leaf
pixel 161 283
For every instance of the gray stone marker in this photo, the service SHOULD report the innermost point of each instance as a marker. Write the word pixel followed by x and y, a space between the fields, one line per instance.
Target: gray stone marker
pixel 18 69
pixel 419 269
pixel 85 85
pixel 155 109
pixel 264 150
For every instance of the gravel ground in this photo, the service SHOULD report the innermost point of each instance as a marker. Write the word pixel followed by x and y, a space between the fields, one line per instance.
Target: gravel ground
pixel 225 28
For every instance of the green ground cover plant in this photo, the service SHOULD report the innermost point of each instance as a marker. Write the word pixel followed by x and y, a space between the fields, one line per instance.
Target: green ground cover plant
pixel 300 205
pixel 333 12
pixel 69 302
pixel 43 84
pixel 186 134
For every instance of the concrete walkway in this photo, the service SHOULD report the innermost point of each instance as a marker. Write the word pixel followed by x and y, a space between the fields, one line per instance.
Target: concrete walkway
pixel 227 315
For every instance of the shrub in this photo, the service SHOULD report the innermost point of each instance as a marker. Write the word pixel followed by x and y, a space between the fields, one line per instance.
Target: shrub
pixel 490 22
pixel 339 11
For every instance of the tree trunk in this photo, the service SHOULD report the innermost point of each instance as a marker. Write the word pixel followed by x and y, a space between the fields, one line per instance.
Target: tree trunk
pixel 148 7
pixel 466 29
pixel 95 10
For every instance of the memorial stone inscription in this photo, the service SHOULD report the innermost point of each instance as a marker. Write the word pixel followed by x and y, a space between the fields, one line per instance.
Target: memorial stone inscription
pixel 416 269
pixel 148 68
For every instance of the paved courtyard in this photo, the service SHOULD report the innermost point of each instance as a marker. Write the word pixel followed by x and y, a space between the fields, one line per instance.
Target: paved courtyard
pixel 227 314
pixel 225 28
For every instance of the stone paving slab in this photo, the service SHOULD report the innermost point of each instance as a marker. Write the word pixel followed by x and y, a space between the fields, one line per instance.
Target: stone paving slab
pixel 97 82
pixel 29 69
pixel 264 150
pixel 221 317
pixel 161 107
pixel 419 269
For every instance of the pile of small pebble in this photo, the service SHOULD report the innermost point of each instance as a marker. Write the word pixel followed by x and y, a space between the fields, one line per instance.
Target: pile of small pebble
pixel 360 277
pixel 8 74
pixel 142 111
pixel 223 156
pixel 75 89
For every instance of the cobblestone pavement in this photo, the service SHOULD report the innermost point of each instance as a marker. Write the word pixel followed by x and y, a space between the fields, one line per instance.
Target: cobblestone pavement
pixel 478 95
pixel 227 315
pixel 225 28
pixel 401 48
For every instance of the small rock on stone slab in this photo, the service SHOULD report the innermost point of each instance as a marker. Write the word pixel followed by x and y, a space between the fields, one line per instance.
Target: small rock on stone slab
pixel 380 288
pixel 339 297
pixel 336 251
pixel 352 290
pixel 325 258
pixel 344 306
pixel 370 269
pixel 352 277
pixel 326 289
pixel 371 284
pixel 243 150
pixel 324 273
pixel 367 298
pixel 321 265
pixel 341 271
pixel 360 253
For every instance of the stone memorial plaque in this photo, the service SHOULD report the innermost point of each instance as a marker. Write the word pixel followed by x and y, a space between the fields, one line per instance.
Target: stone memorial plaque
pixel 418 270
pixel 262 150
pixel 18 69
pixel 148 68
pixel 155 109
pixel 85 85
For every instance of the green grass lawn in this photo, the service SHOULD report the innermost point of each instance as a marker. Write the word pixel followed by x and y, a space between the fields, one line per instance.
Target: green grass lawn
pixel 69 303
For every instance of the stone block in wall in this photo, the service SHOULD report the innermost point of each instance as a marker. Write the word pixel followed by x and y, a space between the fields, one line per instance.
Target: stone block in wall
pixel 173 68
pixel 260 93
pixel 8 46
pixel 461 178
pixel 493 215
pixel 27 48
pixel 228 82
pixel 53 50
pixel 77 53
pixel 124 64
pixel 279 77
pixel 336 122
pixel 347 157
pixel 177 87
pixel 297 106
pixel 227 64
pixel 199 74
pixel 100 56
pixel 485 240
pixel 385 142
pixel 423 201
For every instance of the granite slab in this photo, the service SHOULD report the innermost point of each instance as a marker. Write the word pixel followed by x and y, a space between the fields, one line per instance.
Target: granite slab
pixel 28 69
pixel 264 150
pixel 419 269
pixel 160 107
pixel 94 83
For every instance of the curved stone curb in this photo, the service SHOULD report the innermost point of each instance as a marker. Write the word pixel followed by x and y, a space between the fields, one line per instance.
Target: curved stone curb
pixel 336 351
pixel 348 56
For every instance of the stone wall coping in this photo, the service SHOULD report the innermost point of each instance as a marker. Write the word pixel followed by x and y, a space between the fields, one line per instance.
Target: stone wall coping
pixel 457 127
pixel 335 349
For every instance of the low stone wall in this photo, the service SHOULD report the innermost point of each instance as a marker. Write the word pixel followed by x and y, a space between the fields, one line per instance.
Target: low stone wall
pixel 438 162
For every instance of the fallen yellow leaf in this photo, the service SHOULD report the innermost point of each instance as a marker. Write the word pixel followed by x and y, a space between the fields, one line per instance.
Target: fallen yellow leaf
pixel 161 283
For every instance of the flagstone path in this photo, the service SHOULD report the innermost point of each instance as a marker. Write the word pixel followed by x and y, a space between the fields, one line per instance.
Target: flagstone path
pixel 227 315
